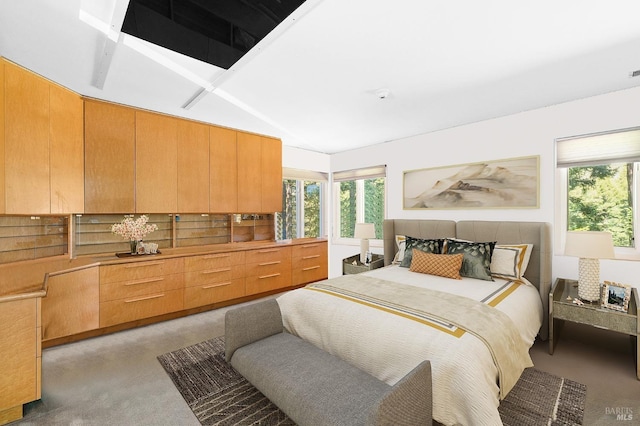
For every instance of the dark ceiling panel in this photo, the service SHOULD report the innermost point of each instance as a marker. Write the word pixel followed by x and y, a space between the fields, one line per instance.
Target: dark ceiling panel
pixel 217 32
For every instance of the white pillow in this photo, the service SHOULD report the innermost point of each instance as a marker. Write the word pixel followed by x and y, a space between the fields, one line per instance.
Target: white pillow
pixel 401 242
pixel 510 261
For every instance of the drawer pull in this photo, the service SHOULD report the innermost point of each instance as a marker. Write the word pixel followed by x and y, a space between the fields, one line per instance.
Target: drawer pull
pixel 140 299
pixel 205 287
pixel 215 256
pixel 275 262
pixel 311 267
pixel 146 281
pixel 268 251
pixel 310 257
pixel 269 276
pixel 309 246
pixel 214 271
pixel 141 264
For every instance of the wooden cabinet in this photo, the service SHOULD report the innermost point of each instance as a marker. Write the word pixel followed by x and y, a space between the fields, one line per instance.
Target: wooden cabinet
pixel 137 290
pixel 156 163
pixel 214 278
pixel 2 117
pixel 259 174
pixel 271 165
pixel 43 146
pixel 71 305
pixel 21 354
pixel 66 147
pixel 223 173
pixel 193 167
pixel 309 263
pixel 268 269
pixel 109 158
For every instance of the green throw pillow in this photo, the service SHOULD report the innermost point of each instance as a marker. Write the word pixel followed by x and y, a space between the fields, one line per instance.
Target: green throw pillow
pixel 476 262
pixel 427 246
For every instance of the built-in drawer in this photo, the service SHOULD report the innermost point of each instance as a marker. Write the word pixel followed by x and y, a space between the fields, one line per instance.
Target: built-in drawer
pixel 268 267
pixel 269 281
pixel 140 287
pixel 207 294
pixel 308 272
pixel 141 269
pixel 268 255
pixel 214 275
pixel 213 261
pixel 135 308
pixel 309 251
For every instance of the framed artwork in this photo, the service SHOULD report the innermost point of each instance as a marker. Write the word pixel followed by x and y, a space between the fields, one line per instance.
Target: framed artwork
pixel 616 296
pixel 509 183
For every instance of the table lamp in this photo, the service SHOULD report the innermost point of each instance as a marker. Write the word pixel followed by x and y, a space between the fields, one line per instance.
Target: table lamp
pixel 590 247
pixel 364 231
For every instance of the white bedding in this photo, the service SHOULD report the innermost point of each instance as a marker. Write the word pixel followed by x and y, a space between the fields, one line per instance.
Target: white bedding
pixel 465 389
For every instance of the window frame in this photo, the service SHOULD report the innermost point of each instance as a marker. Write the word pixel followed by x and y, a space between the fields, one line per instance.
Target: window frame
pixel 301 176
pixel 359 176
pixel 562 184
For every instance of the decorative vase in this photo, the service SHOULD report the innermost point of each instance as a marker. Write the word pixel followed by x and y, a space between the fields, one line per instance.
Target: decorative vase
pixel 134 246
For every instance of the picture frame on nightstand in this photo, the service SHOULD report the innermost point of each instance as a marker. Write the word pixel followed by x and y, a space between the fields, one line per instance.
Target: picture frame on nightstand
pixel 616 296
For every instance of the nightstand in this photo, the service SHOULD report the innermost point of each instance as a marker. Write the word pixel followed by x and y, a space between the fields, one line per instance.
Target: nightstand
pixel 349 268
pixel 562 309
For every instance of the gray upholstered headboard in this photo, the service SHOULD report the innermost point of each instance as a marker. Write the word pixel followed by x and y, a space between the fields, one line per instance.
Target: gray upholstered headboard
pixel 536 233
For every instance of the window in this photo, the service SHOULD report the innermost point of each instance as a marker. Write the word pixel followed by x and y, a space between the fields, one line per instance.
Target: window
pixel 302 205
pixel 360 197
pixel 598 185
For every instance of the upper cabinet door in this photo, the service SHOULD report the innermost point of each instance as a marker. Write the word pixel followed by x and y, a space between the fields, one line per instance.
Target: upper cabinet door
pixel 26 142
pixel 156 163
pixel 109 158
pixel 223 170
pixel 249 173
pixel 2 116
pixel 271 175
pixel 66 147
pixel 193 167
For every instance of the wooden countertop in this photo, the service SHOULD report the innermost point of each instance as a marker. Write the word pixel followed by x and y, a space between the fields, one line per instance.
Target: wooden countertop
pixel 27 279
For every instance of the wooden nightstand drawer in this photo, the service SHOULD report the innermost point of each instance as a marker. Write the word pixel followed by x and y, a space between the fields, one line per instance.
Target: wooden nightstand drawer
pixel 135 308
pixel 207 294
pixel 138 270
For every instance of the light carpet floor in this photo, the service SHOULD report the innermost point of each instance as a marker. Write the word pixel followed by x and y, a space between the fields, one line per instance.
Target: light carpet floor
pixel 117 380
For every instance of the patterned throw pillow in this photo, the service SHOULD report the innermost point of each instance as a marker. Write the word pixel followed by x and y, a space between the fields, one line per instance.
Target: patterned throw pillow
pixel 443 265
pixel 401 241
pixel 428 246
pixel 477 258
pixel 510 261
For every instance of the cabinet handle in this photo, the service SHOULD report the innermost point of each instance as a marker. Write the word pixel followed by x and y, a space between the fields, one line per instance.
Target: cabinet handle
pixel 268 250
pixel 269 276
pixel 141 264
pixel 311 267
pixel 311 257
pixel 275 262
pixel 215 256
pixel 309 246
pixel 213 271
pixel 205 287
pixel 140 299
pixel 145 281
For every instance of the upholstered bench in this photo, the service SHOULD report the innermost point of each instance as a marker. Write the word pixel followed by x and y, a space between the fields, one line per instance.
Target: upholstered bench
pixel 310 385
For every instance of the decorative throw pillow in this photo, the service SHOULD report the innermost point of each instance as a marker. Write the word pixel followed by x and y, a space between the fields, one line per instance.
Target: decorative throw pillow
pixel 428 246
pixel 477 258
pixel 510 261
pixel 443 265
pixel 401 242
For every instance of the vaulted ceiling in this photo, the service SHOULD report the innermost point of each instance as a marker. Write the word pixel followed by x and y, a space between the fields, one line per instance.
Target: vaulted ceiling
pixel 329 75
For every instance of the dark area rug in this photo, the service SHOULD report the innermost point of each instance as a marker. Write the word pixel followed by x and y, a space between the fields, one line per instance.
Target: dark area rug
pixel 218 395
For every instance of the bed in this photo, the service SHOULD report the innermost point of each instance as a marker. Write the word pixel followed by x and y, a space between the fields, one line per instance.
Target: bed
pixel 475 332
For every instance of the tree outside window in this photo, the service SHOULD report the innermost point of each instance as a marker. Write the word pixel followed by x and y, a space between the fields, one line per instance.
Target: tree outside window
pixel 361 200
pixel 301 209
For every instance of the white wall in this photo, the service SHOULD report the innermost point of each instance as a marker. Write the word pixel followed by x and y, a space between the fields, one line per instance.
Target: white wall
pixel 524 134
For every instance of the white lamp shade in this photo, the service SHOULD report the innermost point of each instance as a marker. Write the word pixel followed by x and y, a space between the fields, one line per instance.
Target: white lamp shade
pixel 589 245
pixel 364 231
